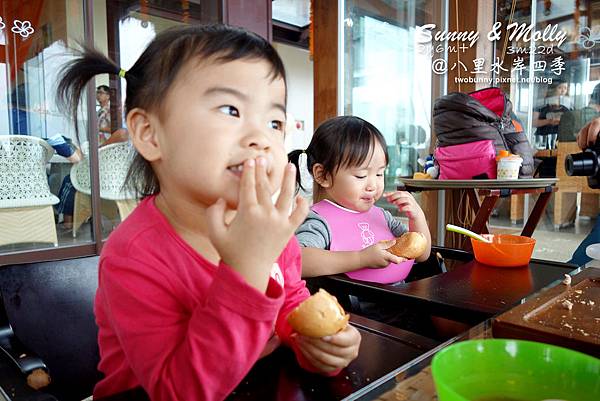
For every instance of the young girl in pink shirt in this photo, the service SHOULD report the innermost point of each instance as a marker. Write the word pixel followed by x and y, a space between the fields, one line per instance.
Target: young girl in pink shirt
pixel 196 284
pixel 345 232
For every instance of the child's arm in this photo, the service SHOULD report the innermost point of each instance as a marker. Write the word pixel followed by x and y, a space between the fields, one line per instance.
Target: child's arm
pixel 407 204
pixel 321 262
pixel 315 355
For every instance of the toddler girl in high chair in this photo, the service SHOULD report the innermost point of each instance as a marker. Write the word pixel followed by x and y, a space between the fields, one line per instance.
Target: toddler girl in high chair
pixel 189 295
pixel 345 232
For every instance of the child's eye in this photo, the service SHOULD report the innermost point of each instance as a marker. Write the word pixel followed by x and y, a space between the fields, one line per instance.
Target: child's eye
pixel 380 175
pixel 229 110
pixel 360 177
pixel 276 124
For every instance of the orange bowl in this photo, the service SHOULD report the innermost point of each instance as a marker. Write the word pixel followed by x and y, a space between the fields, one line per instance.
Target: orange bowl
pixel 505 250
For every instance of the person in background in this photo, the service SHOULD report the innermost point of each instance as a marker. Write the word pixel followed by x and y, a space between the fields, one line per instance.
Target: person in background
pixel 105 134
pixel 66 193
pixel 197 283
pixel 103 113
pixel 64 147
pixel 572 121
pixel 547 118
pixel 587 137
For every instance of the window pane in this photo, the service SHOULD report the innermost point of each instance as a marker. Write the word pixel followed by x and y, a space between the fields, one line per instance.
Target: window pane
pixel 387 80
pixel 123 29
pixel 553 97
pixel 38 143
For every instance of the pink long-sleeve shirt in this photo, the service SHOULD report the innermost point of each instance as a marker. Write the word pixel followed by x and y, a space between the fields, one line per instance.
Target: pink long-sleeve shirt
pixel 178 325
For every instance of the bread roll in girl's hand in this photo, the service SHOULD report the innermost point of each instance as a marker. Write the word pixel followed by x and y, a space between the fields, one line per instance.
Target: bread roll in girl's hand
pixel 410 245
pixel 319 315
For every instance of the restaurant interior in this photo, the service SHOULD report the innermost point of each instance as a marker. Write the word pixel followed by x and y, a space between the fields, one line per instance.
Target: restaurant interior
pixel 510 313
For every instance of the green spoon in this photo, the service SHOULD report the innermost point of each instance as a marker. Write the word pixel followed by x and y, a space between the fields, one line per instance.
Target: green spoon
pixel 469 233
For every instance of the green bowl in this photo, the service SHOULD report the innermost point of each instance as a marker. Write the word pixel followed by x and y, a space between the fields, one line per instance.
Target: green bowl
pixel 514 370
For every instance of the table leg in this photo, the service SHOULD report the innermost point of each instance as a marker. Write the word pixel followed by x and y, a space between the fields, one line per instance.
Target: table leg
pixel 476 206
pixel 481 219
pixel 536 214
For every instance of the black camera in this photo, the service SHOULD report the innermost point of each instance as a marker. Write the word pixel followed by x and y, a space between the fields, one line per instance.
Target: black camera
pixel 586 163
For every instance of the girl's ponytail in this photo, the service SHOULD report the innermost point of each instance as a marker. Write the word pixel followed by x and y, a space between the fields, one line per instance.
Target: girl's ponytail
pixel 294 158
pixel 76 74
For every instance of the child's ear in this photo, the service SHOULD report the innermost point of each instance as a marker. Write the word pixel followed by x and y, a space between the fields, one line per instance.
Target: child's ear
pixel 323 179
pixel 143 134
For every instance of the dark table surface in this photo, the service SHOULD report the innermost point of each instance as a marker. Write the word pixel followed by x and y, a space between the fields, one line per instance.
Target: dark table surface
pixel 470 293
pixel 278 376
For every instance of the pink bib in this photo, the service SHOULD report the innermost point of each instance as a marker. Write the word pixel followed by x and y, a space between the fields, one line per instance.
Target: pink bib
pixel 353 231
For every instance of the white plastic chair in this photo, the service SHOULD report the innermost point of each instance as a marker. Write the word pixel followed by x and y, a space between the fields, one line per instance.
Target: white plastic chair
pixel 26 213
pixel 114 161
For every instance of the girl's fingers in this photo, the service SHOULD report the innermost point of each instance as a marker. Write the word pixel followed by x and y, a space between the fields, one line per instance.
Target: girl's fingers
pixel 215 217
pixel 317 363
pixel 392 197
pixel 346 338
pixel 390 257
pixel 263 187
pixel 386 243
pixel 406 197
pixel 299 213
pixel 288 186
pixel 324 356
pixel 248 183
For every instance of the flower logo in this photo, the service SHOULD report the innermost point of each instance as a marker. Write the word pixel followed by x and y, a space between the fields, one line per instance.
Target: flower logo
pixel 585 38
pixel 2 24
pixel 22 28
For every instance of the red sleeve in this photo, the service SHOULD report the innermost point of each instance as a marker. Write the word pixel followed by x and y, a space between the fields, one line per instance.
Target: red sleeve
pixel 295 293
pixel 181 356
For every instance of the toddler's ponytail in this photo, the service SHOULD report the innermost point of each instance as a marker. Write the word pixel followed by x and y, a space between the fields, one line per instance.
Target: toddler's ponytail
pixel 76 74
pixel 294 158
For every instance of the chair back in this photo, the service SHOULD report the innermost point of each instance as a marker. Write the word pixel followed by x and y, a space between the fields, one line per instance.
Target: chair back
pixel 50 309
pixel 80 175
pixel 23 180
pixel 114 161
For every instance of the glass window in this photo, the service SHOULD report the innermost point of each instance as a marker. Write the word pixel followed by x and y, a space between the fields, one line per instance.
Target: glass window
pixel 387 80
pixel 294 12
pixel 125 36
pixel 45 169
pixel 554 92
pixel 38 145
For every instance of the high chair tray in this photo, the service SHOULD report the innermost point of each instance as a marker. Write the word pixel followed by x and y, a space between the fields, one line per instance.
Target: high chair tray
pixel 567 316
pixel 483 184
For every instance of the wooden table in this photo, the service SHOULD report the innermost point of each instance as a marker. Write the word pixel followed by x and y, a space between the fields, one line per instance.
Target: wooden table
pixel 470 293
pixel 278 376
pixel 491 190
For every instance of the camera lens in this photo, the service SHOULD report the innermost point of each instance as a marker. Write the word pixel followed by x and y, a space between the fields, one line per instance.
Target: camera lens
pixel 581 164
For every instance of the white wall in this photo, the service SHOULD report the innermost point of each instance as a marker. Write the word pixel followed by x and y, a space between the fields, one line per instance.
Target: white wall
pixel 299 70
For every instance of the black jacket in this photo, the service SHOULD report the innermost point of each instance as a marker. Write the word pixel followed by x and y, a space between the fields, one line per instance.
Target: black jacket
pixel 460 118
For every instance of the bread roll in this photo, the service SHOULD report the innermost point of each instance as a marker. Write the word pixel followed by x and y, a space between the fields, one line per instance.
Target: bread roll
pixel 38 379
pixel 318 316
pixel 410 245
